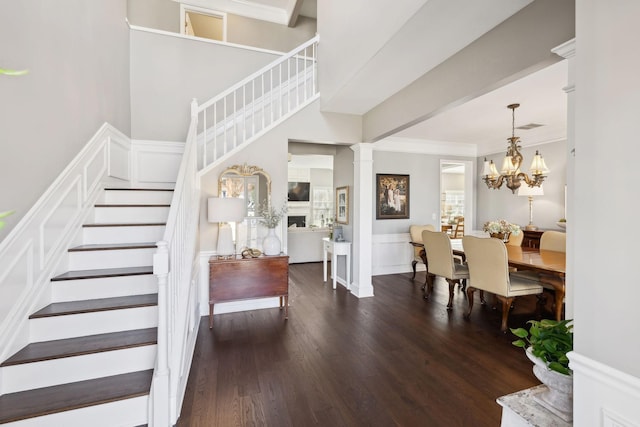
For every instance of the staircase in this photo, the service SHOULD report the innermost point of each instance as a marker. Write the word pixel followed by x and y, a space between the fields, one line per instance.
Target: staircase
pixel 92 351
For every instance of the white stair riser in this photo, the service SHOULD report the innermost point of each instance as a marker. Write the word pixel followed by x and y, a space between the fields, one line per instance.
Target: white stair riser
pixel 114 258
pixel 79 368
pixel 108 287
pixel 133 215
pixel 122 234
pixel 77 325
pixel 127 412
pixel 137 197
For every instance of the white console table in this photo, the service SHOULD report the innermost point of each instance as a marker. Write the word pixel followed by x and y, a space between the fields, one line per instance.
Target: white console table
pixel 336 249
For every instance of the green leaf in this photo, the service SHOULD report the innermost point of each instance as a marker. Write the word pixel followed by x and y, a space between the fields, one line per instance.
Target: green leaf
pixel 6 214
pixel 13 72
pixel 519 343
pixel 520 332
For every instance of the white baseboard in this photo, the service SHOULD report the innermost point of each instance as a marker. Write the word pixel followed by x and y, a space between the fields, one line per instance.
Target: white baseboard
pixel 603 396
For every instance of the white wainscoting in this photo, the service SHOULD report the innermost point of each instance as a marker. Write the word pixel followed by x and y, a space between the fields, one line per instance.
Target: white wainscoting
pixel 155 163
pixel 36 248
pixel 603 396
pixel 392 253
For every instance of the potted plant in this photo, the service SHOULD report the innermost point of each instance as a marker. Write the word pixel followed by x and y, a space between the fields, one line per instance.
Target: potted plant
pixel 501 229
pixel 270 218
pixel 547 343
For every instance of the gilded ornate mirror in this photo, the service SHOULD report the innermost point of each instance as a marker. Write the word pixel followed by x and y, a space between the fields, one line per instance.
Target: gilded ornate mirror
pixel 252 184
pixel 246 182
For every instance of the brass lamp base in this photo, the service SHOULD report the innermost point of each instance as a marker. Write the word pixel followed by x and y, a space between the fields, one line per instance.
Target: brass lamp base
pixel 531 227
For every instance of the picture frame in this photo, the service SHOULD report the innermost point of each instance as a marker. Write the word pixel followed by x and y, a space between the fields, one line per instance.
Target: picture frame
pixel 392 196
pixel 342 205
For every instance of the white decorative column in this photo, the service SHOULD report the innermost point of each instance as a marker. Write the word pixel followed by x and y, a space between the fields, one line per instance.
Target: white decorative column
pixel 568 50
pixel 362 219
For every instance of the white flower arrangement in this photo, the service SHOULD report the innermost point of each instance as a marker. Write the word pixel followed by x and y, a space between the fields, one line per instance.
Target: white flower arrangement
pixel 269 216
pixel 501 226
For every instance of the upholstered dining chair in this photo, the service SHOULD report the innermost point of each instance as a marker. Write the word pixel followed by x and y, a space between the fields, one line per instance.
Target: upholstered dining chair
pixel 489 271
pixel 553 241
pixel 440 262
pixel 415 233
pixel 516 239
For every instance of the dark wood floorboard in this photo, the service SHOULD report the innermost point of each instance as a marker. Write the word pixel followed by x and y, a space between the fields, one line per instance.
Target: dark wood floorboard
pixel 391 360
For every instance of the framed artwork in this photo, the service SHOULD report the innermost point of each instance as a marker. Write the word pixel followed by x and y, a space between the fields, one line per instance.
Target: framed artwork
pixel 392 196
pixel 342 205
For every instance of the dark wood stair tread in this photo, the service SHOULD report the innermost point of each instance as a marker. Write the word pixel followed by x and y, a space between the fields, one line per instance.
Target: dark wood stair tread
pixel 129 224
pixel 112 246
pixel 103 272
pixel 82 394
pixel 69 347
pixel 93 305
pixel 137 189
pixel 125 205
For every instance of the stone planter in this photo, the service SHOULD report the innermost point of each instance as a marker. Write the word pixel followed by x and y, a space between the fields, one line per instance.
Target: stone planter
pixel 558 395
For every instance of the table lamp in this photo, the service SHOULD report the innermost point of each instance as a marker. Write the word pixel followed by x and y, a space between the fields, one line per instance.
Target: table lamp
pixel 224 210
pixel 525 190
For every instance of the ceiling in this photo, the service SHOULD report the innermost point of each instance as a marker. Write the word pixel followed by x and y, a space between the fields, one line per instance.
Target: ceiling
pixel 486 121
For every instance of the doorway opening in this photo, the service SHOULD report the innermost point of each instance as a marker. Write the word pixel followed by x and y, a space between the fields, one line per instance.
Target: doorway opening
pixel 456 193
pixel 205 23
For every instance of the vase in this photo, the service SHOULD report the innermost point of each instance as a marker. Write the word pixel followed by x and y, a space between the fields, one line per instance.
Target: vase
pixel 502 236
pixel 271 243
pixel 558 396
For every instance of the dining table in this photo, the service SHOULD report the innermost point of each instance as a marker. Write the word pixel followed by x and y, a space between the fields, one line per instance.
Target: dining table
pixel 549 266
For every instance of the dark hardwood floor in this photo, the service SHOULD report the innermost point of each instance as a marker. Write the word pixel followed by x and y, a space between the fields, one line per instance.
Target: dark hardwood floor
pixel 391 360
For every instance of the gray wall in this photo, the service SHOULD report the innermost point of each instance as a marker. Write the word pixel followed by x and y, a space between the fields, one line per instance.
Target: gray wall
pixel 165 15
pixel 424 188
pixel 267 35
pixel 167 72
pixel 77 54
pixel 158 14
pixel 547 209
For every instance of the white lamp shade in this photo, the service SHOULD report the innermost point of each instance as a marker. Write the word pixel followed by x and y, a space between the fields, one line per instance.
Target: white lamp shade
pixel 225 209
pixel 525 190
pixel 507 166
pixel 538 166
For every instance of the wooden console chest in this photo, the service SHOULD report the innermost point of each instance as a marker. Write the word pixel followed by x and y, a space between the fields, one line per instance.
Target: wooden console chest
pixel 250 278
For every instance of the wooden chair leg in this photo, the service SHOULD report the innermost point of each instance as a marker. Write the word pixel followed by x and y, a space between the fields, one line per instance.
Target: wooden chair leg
pixel 428 285
pixel 470 291
pixel 506 306
pixel 452 285
pixel 413 265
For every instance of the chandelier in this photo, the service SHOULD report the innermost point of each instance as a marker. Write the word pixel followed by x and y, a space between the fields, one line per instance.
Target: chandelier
pixel 510 173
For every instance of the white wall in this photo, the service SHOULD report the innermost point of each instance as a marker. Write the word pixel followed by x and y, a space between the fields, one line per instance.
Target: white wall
pixel 606 369
pixel 78 61
pixel 168 71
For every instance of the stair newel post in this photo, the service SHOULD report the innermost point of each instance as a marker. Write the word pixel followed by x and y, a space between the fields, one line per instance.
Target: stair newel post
pixel 161 395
